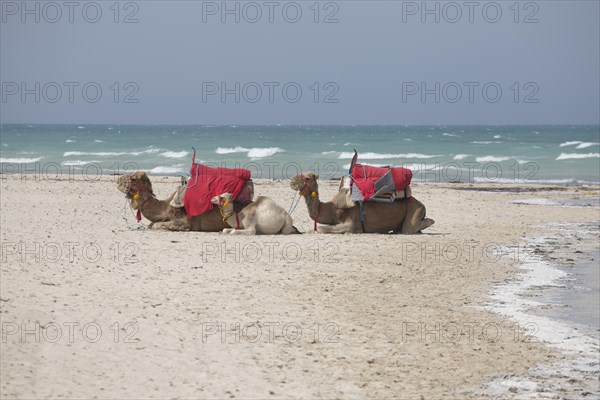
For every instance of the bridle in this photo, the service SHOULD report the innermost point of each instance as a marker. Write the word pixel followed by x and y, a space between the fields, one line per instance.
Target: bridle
pixel 229 215
pixel 134 191
pixel 313 195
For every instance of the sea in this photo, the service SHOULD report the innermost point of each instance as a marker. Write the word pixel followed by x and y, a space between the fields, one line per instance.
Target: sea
pixel 566 154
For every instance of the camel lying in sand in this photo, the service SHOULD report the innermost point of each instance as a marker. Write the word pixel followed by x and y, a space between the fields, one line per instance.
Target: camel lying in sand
pixel 399 216
pixel 263 217
pixel 138 189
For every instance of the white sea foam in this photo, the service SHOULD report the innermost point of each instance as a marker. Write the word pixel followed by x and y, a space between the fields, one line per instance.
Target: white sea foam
pixel 20 160
pixel 230 150
pixel 385 156
pixel 536 202
pixel 263 152
pixel 78 162
pixel 586 145
pixel 461 156
pixel 449 134
pixel 497 136
pixel 174 154
pixel 255 152
pixel 491 159
pixel 484 142
pixel 98 141
pixel 70 141
pixel 570 156
pixel 109 153
pixel 328 152
pixel 81 127
pixel 510 299
pixel 572 143
pixel 174 169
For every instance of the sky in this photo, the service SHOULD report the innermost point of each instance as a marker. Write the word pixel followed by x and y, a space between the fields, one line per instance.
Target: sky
pixel 303 62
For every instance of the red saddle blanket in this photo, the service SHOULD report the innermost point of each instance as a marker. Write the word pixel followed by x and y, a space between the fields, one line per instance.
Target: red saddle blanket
pixel 372 180
pixel 207 182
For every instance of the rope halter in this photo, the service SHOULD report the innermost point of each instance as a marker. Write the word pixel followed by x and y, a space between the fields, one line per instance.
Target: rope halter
pixel 222 204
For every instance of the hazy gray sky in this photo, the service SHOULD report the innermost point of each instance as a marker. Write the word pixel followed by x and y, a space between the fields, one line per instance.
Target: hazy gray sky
pixel 355 62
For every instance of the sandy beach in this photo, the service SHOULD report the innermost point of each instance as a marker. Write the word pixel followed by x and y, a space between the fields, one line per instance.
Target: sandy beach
pixel 92 306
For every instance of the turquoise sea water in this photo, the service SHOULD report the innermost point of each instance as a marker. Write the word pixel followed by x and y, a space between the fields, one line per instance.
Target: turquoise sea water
pixel 550 154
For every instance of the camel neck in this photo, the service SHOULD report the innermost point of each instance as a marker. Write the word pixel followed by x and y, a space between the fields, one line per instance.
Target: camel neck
pixel 152 208
pixel 315 208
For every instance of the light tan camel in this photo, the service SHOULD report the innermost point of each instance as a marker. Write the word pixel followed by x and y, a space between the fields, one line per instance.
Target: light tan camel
pixel 262 217
pixel 400 216
pixel 138 189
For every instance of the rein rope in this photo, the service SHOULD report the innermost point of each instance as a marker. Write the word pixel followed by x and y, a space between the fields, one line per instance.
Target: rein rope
pixel 313 195
pixel 231 214
pixel 293 206
pixel 129 226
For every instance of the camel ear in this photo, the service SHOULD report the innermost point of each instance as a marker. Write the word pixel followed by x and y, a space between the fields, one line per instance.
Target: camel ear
pixel 312 176
pixel 215 200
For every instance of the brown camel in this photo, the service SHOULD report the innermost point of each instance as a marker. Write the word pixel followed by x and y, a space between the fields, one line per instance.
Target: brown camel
pixel 138 189
pixel 407 217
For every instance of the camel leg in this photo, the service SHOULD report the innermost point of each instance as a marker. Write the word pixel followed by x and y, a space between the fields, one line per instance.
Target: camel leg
pixel 288 226
pixel 176 225
pixel 415 219
pixel 345 227
pixel 246 231
pixel 227 230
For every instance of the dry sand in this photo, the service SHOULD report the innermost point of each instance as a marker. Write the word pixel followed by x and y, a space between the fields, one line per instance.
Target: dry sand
pixel 340 316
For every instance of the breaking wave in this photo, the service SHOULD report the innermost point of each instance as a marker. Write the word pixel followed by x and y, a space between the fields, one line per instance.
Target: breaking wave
pixel 586 145
pixel 78 162
pixel 571 156
pixel 255 152
pixel 385 156
pixel 173 169
pixel 230 150
pixel 109 153
pixel 492 159
pixel 174 154
pixel 571 143
pixel 20 160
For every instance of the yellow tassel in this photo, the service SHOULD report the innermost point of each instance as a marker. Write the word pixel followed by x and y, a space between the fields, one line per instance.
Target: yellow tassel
pixel 313 194
pixel 136 196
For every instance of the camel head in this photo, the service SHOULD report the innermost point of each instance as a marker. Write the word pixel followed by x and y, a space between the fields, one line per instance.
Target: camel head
pixel 135 186
pixel 305 184
pixel 224 202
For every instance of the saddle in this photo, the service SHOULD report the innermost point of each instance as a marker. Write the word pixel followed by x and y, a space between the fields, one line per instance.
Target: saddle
pixel 207 182
pixel 367 183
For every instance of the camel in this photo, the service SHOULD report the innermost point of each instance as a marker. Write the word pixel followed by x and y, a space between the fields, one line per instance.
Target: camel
pixel 138 189
pixel 407 217
pixel 263 217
